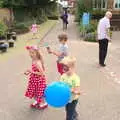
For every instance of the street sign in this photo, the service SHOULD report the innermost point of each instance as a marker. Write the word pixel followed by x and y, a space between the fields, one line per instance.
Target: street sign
pixel 86 18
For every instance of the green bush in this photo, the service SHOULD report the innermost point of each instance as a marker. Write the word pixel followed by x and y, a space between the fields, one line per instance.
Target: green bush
pixel 20 28
pixel 28 15
pixel 3 28
pixel 41 16
pixel 51 11
pixel 80 9
pixel 89 32
pixel 92 27
pixel 97 14
pixel 90 37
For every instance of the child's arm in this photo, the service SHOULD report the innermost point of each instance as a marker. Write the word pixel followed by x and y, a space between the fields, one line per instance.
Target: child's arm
pixel 57 53
pixel 54 52
pixel 76 90
pixel 27 72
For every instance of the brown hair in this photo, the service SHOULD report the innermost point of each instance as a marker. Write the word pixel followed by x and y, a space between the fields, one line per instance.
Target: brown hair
pixel 63 36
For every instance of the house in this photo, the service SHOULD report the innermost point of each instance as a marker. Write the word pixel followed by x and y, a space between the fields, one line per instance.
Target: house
pixel 67 3
pixel 114 5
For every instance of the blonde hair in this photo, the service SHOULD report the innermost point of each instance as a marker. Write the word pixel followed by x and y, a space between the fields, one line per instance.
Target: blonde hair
pixel 69 61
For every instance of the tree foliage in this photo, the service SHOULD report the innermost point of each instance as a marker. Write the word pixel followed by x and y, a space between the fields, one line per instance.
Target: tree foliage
pixel 16 3
pixel 82 6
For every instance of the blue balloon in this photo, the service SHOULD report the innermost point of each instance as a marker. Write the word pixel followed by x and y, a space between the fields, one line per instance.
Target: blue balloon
pixel 57 94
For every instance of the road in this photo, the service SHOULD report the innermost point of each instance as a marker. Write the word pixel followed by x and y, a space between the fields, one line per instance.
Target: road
pixel 101 85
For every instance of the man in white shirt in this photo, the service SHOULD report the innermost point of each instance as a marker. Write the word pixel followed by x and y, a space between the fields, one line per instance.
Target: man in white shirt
pixel 103 37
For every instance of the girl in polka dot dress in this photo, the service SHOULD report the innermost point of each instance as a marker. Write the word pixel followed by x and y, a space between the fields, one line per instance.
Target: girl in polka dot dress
pixel 37 80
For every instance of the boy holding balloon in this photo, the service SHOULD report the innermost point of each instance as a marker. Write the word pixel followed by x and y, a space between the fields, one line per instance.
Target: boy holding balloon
pixel 73 81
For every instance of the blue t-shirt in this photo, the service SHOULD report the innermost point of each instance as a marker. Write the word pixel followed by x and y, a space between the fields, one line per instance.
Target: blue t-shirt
pixel 63 48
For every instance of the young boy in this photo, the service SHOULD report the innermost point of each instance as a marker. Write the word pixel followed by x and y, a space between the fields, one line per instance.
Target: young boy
pixel 73 80
pixel 62 52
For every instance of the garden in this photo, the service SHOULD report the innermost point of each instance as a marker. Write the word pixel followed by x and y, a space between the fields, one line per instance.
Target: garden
pixel 23 13
pixel 88 32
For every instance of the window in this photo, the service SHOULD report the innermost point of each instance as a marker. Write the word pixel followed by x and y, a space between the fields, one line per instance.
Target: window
pixel 117 4
pixel 103 5
pixel 99 4
pixel 95 4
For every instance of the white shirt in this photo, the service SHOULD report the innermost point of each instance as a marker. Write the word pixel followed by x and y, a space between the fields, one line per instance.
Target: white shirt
pixel 103 25
pixel 63 48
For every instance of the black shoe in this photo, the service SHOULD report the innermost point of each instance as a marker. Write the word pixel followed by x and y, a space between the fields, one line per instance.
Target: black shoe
pixel 102 65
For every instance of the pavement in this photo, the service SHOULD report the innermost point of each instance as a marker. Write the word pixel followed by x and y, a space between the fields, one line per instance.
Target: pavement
pixel 101 85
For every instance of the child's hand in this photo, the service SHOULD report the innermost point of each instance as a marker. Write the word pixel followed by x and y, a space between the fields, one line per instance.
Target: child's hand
pixel 76 90
pixel 27 72
pixel 49 50
pixel 82 93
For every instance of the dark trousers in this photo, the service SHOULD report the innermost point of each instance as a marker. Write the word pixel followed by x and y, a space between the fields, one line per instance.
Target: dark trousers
pixel 71 113
pixel 103 46
pixel 64 25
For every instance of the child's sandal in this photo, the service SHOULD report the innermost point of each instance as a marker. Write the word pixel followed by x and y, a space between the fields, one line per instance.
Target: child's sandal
pixel 42 107
pixel 34 106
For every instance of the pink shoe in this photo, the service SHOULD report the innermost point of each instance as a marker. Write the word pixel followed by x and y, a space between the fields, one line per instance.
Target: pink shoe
pixel 34 106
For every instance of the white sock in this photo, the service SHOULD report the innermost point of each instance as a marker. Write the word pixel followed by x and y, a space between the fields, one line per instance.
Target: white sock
pixel 35 102
pixel 44 104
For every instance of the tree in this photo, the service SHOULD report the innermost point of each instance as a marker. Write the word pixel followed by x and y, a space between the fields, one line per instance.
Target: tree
pixel 83 6
pixel 1 3
pixel 16 3
pixel 88 3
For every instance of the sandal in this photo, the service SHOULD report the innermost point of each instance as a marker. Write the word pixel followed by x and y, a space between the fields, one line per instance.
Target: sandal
pixel 34 106
pixel 42 107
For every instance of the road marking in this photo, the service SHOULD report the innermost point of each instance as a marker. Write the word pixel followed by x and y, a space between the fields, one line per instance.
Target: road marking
pixel 110 75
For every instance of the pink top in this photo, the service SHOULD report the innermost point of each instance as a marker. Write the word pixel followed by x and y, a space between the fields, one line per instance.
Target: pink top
pixel 34 28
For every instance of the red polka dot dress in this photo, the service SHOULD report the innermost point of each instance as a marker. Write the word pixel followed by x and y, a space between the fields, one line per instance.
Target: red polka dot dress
pixel 36 85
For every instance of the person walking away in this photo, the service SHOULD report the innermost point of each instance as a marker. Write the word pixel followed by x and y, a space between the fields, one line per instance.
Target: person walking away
pixel 64 18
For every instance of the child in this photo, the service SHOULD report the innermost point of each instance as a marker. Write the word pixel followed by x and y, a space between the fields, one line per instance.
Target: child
pixel 73 80
pixel 37 80
pixel 63 51
pixel 34 30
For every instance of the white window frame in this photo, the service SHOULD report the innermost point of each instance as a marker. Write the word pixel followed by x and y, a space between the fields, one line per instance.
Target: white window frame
pixel 101 4
pixel 95 7
pixel 118 2
pixel 105 4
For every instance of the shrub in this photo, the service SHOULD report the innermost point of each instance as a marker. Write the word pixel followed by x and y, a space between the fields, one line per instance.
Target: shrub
pixel 97 14
pixel 92 27
pixel 51 11
pixel 3 28
pixel 80 9
pixel 21 28
pixel 91 37
pixel 41 16
pixel 89 32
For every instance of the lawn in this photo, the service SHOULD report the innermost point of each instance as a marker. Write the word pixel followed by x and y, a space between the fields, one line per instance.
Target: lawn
pixel 26 39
